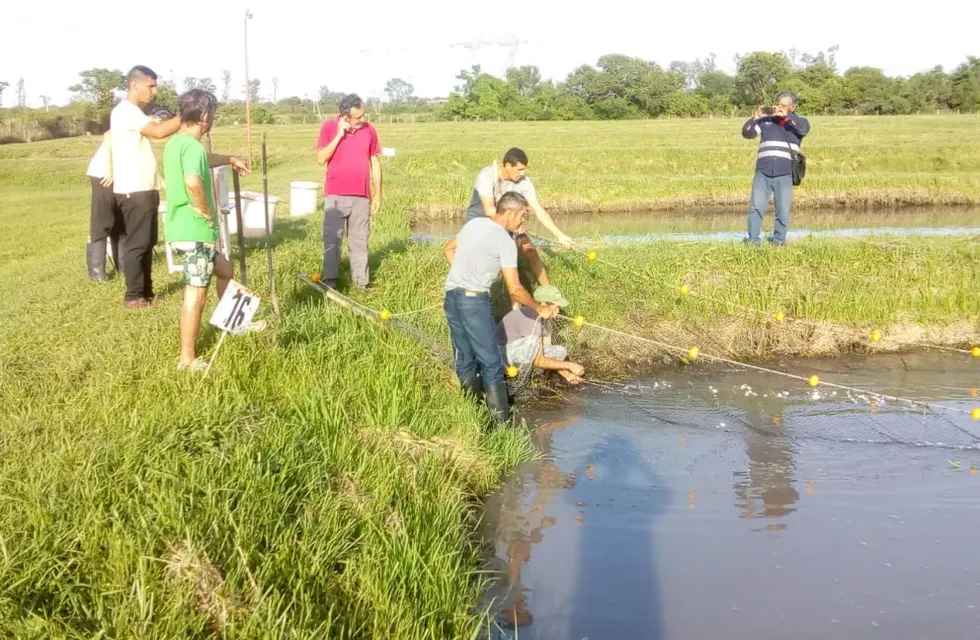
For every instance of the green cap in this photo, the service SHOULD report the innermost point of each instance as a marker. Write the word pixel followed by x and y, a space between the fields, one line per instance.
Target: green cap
pixel 549 293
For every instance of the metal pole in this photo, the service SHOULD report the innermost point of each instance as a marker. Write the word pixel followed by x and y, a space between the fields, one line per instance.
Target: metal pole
pixel 248 95
pixel 268 233
pixel 239 219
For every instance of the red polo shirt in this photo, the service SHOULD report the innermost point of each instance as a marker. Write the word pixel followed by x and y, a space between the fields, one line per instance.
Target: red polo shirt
pixel 349 170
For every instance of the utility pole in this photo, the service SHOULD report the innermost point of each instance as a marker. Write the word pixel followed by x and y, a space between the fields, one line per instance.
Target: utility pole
pixel 248 94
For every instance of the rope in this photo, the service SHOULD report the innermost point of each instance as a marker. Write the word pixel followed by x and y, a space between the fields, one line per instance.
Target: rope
pixel 685 290
pixel 736 363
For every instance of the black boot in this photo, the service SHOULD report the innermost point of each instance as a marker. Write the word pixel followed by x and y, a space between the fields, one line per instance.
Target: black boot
pixel 95 257
pixel 473 386
pixel 498 403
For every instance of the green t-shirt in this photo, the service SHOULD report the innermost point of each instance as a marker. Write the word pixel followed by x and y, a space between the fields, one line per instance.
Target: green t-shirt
pixel 182 156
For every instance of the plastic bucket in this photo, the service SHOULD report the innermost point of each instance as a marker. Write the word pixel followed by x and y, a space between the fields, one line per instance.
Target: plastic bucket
pixel 253 205
pixel 302 197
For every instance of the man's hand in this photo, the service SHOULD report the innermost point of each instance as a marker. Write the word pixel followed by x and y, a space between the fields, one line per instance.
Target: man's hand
pixel 106 180
pixel 343 126
pixel 206 214
pixel 240 165
pixel 548 311
pixel 758 115
pixel 375 204
pixel 565 241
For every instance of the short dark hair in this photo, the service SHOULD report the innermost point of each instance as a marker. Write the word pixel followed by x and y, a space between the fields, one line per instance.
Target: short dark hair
pixel 515 156
pixel 139 72
pixel 348 102
pixel 786 94
pixel 511 201
pixel 194 104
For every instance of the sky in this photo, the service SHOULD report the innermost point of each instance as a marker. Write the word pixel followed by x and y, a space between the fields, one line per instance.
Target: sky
pixel 359 46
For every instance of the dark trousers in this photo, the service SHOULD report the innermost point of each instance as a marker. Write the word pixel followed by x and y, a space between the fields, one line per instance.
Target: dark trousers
pixel 106 219
pixel 139 214
pixel 474 336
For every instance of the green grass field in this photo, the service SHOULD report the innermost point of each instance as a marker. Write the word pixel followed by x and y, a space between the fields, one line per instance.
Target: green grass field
pixel 323 480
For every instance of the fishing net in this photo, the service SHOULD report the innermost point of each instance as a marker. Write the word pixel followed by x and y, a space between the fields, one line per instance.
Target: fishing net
pixel 789 410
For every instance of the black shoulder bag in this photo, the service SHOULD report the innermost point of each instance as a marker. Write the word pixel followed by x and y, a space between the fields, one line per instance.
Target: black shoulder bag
pixel 799 164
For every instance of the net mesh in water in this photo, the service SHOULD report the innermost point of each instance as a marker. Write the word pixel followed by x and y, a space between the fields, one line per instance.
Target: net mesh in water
pixel 838 414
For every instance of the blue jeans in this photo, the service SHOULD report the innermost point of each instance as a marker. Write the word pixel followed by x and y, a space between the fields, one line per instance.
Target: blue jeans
pixel 474 336
pixel 781 188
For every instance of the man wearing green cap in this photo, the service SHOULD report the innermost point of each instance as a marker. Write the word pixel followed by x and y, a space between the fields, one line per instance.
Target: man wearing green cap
pixel 520 337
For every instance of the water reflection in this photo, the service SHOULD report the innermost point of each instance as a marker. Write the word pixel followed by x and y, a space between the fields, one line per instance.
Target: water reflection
pixel 520 528
pixel 766 489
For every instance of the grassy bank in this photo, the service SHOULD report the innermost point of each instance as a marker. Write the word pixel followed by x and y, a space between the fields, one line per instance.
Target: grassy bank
pixel 322 481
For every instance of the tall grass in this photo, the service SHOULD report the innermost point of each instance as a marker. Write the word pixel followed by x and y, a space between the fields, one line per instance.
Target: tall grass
pixel 323 481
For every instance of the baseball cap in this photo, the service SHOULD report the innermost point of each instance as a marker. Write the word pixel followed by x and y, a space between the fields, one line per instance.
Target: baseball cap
pixel 550 293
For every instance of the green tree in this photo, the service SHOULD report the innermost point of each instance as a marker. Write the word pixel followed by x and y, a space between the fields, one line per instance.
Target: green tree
pixel 525 80
pixel 98 87
pixel 965 86
pixel 226 86
pixel 758 78
pixel 399 90
pixel 252 90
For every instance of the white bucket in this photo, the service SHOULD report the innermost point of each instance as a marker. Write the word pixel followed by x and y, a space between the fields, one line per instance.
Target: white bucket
pixel 302 197
pixel 221 175
pixel 253 204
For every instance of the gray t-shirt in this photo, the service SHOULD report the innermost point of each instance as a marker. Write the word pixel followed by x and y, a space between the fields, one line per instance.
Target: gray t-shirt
pixel 518 323
pixel 483 248
pixel 488 183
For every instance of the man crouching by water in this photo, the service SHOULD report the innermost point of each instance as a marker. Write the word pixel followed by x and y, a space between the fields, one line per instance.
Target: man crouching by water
pixel 481 250
pixel 521 336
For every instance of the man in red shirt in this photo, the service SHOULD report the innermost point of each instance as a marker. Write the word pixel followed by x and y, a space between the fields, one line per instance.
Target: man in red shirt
pixel 350 149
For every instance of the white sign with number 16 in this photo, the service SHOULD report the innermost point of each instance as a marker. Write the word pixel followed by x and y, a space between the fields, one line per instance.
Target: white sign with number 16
pixel 236 309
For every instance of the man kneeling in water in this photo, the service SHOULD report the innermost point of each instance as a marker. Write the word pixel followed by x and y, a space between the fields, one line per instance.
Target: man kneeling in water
pixel 520 336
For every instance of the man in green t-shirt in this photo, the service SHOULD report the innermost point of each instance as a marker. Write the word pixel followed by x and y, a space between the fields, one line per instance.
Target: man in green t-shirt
pixel 190 224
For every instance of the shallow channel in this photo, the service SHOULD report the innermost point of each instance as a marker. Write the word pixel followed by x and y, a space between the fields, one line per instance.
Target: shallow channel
pixel 715 502
pixel 726 224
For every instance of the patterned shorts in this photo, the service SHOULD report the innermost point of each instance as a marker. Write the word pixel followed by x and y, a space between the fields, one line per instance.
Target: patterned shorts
pixel 197 259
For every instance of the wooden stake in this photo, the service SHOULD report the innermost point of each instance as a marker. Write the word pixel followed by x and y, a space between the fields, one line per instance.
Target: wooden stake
pixel 240 219
pixel 268 233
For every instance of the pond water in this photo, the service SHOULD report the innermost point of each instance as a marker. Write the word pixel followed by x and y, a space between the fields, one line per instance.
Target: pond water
pixel 716 502
pixel 729 224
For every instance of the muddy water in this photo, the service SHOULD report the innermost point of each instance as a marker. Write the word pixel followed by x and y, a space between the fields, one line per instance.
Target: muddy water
pixel 729 224
pixel 716 503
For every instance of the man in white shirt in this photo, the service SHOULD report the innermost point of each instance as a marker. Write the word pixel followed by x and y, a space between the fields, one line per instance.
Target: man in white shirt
pixel 136 182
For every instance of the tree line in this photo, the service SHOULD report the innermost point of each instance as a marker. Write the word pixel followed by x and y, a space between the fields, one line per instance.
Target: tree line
pixel 615 87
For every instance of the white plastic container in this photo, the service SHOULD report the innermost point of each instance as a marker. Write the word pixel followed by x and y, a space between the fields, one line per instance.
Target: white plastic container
pixel 221 175
pixel 253 219
pixel 302 197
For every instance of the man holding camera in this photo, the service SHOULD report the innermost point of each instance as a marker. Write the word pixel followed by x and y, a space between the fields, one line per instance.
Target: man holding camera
pixel 349 148
pixel 781 132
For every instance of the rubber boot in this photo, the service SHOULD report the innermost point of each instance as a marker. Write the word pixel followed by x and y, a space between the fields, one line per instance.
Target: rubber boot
pixel 473 386
pixel 498 403
pixel 95 257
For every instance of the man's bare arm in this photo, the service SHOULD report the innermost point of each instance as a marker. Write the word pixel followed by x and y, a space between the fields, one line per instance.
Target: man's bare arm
pixel 489 208
pixel 547 221
pixel 195 190
pixel 450 251
pixel 375 184
pixel 519 294
pixel 218 160
pixel 159 129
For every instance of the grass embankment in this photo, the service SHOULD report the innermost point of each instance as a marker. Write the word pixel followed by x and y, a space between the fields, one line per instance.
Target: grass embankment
pixel 321 481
